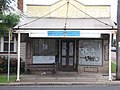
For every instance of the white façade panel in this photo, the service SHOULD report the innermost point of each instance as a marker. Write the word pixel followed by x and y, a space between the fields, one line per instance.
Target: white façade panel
pixel 36 33
pixel 65 33
pixel 43 59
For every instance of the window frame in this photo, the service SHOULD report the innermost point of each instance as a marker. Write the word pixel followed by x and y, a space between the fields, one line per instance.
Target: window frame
pixel 2 41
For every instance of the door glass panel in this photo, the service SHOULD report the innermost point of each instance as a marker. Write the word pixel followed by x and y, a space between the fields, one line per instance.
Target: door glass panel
pixel 70 49
pixel 63 52
pixel 63 44
pixel 71 61
pixel 64 48
pixel 67 55
pixel 63 61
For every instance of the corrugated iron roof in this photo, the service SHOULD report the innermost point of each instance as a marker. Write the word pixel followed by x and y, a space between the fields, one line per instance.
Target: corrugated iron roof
pixel 60 23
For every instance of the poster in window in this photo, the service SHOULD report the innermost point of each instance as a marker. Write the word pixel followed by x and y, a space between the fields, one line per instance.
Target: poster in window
pixel 90 52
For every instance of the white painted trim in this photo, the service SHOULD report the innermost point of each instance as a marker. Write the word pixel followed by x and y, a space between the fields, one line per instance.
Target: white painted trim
pixel 2 44
pixel 18 64
pixel 110 74
pixel 22 31
pixel 65 33
pixel 38 31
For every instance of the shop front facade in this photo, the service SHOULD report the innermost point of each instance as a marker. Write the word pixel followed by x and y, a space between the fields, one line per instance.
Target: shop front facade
pixel 69 54
pixel 68 34
pixel 68 50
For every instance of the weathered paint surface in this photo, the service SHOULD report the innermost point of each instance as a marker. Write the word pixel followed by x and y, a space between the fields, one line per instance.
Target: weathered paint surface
pixel 96 11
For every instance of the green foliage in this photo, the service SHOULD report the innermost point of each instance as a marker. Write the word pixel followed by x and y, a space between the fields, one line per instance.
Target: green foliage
pixel 8 21
pixel 113 67
pixel 3 27
pixel 5 5
pixel 12 20
pixel 2 5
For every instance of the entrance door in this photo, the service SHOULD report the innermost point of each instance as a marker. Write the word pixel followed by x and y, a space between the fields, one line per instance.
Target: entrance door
pixel 67 55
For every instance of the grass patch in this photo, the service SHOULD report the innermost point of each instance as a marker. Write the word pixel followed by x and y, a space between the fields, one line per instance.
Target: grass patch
pixel 113 67
pixel 3 78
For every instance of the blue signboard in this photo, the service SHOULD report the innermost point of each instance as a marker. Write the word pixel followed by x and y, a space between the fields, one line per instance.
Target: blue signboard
pixel 63 33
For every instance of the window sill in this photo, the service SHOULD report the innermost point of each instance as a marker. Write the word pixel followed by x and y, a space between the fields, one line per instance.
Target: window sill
pixel 7 52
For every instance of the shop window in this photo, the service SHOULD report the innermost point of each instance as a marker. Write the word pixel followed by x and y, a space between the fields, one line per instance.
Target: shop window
pixel 90 52
pixel 43 47
pixel 43 51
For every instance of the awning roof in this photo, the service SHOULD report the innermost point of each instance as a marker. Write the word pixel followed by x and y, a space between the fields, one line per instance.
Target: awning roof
pixel 58 23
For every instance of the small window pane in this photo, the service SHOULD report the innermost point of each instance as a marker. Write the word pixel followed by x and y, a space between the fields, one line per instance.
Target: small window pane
pixel 63 61
pixel 6 47
pixel 6 38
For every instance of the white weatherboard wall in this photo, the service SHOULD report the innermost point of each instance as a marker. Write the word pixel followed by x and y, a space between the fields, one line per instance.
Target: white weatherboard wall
pixel 23 50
